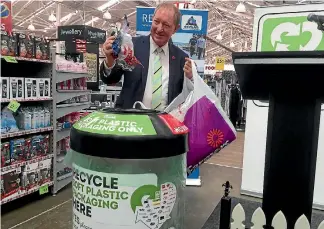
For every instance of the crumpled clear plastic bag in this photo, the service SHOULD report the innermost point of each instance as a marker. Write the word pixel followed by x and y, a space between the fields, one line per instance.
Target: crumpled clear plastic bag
pixel 210 130
pixel 123 48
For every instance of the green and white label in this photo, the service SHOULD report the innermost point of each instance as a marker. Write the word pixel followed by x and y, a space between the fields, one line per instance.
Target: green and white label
pixel 120 201
pixel 116 124
pixel 290 32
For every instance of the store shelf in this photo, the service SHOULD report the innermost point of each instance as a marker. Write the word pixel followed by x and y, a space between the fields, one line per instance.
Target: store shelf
pixel 63 95
pixel 64 109
pixel 35 189
pixel 28 59
pixel 63 76
pixel 25 132
pixel 64 182
pixel 26 100
pixel 14 166
pixel 63 133
pixel 113 88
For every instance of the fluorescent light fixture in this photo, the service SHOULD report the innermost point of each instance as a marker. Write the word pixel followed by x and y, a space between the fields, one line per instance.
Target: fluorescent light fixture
pixel 52 17
pixel 103 7
pixel 241 8
pixel 107 15
pixel 219 36
pixel 31 27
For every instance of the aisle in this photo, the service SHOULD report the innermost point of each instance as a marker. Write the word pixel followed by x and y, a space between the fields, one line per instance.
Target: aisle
pixel 56 212
pixel 232 155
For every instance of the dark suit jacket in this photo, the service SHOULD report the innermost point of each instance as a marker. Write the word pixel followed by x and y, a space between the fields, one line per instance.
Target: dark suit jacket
pixel 135 81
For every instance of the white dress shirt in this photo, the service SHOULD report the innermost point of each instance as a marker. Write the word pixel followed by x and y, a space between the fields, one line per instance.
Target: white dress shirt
pixel 164 55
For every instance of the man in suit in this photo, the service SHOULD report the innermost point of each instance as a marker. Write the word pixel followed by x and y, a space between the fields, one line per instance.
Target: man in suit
pixel 160 79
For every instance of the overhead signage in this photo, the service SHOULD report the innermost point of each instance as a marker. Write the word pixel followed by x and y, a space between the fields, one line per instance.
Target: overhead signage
pixel 192 21
pixel 82 32
pixel 220 63
pixel 290 32
pixel 6 16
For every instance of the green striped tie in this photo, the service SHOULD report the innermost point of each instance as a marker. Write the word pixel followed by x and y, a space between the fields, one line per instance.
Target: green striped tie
pixel 157 81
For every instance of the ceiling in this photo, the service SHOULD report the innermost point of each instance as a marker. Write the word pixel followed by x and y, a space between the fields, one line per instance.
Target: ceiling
pixel 223 18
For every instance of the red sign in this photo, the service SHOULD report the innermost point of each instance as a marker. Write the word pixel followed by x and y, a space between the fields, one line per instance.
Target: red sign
pixel 6 17
pixel 174 124
pixel 81 45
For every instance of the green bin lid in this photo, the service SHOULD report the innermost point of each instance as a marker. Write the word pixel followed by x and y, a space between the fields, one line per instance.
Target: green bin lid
pixel 129 134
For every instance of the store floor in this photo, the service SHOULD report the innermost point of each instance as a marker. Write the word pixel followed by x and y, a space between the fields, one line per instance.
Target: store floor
pixel 56 212
pixel 35 212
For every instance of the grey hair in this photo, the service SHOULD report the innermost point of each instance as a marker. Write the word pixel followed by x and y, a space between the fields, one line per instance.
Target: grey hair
pixel 168 5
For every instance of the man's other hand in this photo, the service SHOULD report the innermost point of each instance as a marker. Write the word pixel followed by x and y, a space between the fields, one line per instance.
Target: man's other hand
pixel 188 68
pixel 108 51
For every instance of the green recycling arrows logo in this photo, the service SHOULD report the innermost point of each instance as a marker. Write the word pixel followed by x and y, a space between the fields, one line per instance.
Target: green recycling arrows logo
pixel 291 34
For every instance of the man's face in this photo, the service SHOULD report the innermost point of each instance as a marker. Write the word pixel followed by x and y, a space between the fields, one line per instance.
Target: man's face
pixel 163 26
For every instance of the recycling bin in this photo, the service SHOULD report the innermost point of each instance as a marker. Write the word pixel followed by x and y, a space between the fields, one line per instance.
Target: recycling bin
pixel 129 170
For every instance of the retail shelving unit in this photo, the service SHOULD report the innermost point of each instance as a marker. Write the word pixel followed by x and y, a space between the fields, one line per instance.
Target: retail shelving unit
pixel 61 110
pixel 32 68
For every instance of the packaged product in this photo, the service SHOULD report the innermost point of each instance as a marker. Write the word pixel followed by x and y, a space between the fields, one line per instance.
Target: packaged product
pixel 30 178
pixel 30 149
pixel 8 122
pixel 24 119
pixel 40 88
pixel 5 154
pixel 17 150
pixel 16 88
pixel 47 88
pixel 47 117
pixel 5 88
pixel 44 145
pixel 26 46
pixel 9 43
pixel 11 183
pixel 45 174
pixel 42 49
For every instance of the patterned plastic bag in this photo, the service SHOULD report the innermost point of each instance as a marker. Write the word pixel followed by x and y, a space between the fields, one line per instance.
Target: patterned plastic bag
pixel 210 129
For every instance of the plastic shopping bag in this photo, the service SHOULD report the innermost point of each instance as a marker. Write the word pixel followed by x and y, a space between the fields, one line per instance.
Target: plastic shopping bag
pixel 210 129
pixel 123 48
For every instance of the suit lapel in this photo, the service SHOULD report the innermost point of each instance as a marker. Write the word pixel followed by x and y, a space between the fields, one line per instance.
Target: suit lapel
pixel 144 58
pixel 172 71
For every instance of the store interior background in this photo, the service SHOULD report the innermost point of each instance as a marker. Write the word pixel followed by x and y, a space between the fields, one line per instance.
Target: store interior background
pixel 231 26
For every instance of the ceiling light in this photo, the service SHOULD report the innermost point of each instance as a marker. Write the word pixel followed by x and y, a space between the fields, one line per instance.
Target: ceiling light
pixel 219 36
pixel 241 8
pixel 52 17
pixel 31 27
pixel 107 15
pixel 232 45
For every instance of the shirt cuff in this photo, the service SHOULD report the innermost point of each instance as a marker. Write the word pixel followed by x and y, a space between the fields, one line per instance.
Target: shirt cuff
pixel 106 69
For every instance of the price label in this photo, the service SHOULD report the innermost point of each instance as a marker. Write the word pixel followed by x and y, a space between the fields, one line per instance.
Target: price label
pixel 220 63
pixel 10 59
pixel 13 105
pixel 43 189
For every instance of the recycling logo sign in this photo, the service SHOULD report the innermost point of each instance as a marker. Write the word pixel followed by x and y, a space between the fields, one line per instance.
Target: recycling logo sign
pixel 291 34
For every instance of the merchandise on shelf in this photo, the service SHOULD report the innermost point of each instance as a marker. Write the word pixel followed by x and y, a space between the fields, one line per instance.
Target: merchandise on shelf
pixel 24 149
pixel 73 84
pixel 11 183
pixel 5 88
pixel 26 118
pixel 42 49
pixel 65 63
pixel 30 176
pixel 16 88
pixel 45 171
pixel 8 122
pixel 63 172
pixel 67 121
pixel 9 44
pixel 26 46
pixel 5 154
